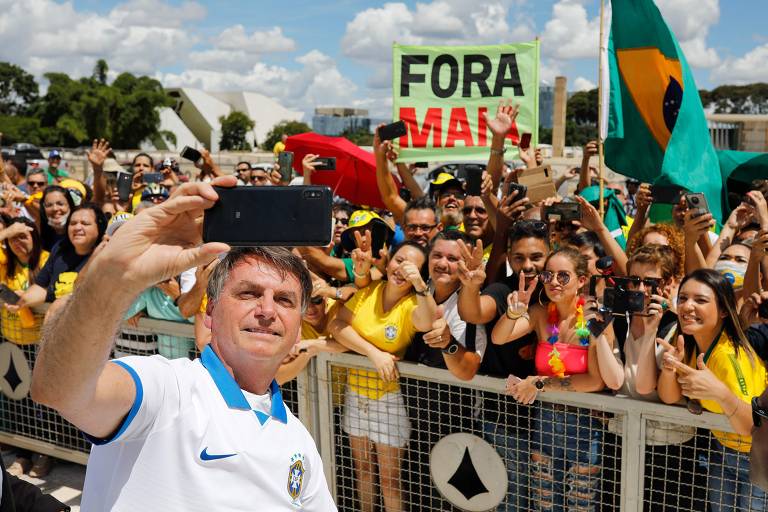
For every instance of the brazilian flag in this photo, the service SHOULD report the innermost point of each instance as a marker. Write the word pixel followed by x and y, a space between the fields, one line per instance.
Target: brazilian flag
pixel 656 132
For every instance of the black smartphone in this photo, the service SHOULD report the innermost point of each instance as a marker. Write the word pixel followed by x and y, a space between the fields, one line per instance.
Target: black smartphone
pixel 762 310
pixel 327 163
pixel 522 190
pixel 152 177
pixel 421 165
pixel 277 216
pixel 405 194
pixel 392 131
pixel 285 161
pixel 191 154
pixel 7 295
pixel 698 203
pixel 666 194
pixel 124 182
pixel 525 141
pixel 474 175
pixel 563 212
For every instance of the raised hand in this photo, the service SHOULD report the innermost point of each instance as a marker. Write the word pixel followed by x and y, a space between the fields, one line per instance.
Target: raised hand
pixel 506 113
pixel 590 217
pixel 98 153
pixel 761 207
pixel 517 301
pixel 410 273
pixel 643 198
pixel 308 162
pixel 486 187
pixel 163 241
pixel 471 269
pixel 590 150
pixel 362 258
pixel 513 208
pixel 695 227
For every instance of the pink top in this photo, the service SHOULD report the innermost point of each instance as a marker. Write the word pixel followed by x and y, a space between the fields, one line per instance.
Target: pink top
pixel 573 357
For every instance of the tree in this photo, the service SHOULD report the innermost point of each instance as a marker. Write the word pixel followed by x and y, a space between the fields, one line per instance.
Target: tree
pixel 737 99
pixel 18 90
pixel 581 118
pixel 360 137
pixel 234 128
pixel 284 128
pixel 100 71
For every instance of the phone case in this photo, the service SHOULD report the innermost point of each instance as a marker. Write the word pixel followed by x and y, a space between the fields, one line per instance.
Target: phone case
pixel 276 216
pixel 285 161
pixel 474 182
pixel 539 182
pixel 392 131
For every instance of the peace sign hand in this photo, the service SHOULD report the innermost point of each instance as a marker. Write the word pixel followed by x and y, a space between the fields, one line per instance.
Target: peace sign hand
pixel 471 269
pixel 517 301
pixel 673 356
pixel 362 257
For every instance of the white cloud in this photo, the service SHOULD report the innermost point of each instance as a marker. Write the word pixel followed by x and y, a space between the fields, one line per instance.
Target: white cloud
pixel 748 68
pixel 582 84
pixel 570 34
pixel 272 40
pixel 129 37
pixel 690 20
pixel 436 20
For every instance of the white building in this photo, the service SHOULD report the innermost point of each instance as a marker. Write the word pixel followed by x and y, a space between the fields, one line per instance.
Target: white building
pixel 194 120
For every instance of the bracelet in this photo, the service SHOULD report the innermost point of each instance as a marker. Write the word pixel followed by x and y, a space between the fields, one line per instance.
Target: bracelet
pixel 499 152
pixel 734 412
pixel 515 316
pixel 423 292
pixel 361 276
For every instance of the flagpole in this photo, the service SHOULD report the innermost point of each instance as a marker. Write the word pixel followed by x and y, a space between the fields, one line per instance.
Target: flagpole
pixel 600 71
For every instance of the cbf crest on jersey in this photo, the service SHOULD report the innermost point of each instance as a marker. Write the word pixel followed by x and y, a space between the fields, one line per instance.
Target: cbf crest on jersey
pixel 296 478
pixel 390 332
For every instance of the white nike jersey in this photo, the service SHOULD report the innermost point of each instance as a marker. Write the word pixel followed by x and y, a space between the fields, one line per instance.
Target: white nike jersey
pixel 193 441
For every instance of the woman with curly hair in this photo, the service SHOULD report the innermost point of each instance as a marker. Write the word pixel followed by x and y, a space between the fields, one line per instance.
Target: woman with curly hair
pixel 661 234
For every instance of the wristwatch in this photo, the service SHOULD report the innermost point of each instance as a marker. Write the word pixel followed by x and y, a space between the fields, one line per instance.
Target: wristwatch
pixel 423 293
pixel 338 293
pixel 452 347
pixel 540 384
pixel 499 152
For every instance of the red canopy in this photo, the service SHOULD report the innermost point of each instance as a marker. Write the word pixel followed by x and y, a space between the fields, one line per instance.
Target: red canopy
pixel 355 176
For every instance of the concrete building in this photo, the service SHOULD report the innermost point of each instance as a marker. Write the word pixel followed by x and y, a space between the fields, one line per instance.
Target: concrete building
pixel 336 120
pixel 194 120
pixel 546 105
pixel 741 132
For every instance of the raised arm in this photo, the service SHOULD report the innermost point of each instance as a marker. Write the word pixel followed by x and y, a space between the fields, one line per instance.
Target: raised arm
pixel 324 263
pixel 590 219
pixel 516 322
pixel 500 126
pixel 585 176
pixel 643 201
pixel 96 156
pixel 409 181
pixel 384 180
pixel 473 307
pixel 72 373
pixel 695 228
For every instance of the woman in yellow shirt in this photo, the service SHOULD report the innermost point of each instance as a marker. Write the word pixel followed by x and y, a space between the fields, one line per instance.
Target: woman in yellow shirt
pixel 379 322
pixel 713 362
pixel 20 261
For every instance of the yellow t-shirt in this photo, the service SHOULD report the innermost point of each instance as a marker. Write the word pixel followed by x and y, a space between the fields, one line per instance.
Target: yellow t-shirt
pixel 391 331
pixel 338 373
pixel 10 323
pixel 745 378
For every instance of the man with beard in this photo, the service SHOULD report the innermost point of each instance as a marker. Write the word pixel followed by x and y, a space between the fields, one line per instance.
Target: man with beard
pixel 421 223
pixel 505 424
pixel 449 196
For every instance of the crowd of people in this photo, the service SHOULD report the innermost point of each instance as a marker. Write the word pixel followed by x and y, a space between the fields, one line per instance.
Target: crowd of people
pixel 476 284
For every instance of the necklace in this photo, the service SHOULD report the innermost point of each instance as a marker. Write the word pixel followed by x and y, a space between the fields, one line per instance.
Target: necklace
pixel 553 320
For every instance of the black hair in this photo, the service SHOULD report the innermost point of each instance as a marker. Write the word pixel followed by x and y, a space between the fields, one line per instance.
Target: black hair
pixel 586 239
pixel 528 229
pixel 151 160
pixel 47 233
pixel 421 203
pixel 726 303
pixel 34 257
pixel 241 163
pixel 101 225
pixel 450 235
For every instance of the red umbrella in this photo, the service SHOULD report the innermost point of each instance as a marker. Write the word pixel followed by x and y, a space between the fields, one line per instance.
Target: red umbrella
pixel 355 176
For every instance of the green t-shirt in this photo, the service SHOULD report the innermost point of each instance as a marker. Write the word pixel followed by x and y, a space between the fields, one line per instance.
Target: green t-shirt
pixel 60 173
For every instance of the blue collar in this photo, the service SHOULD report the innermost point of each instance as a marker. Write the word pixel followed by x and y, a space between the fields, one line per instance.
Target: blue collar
pixel 231 392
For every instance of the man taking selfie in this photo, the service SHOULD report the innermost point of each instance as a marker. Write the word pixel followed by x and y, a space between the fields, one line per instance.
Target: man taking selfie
pixel 209 434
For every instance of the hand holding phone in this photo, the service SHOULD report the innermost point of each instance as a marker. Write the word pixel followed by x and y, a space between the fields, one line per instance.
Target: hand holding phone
pixel 698 203
pixel 525 141
pixel 325 163
pixel 285 161
pixel 191 154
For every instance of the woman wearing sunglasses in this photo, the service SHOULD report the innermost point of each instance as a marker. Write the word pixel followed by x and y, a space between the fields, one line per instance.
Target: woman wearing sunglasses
pixel 714 362
pixel 566 360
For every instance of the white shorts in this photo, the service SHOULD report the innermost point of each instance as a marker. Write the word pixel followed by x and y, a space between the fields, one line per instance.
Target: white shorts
pixel 383 421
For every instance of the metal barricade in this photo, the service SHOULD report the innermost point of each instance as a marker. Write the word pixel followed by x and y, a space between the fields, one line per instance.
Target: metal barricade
pixel 568 451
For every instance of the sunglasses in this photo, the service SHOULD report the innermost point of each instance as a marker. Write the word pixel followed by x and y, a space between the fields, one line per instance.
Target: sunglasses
pixel 316 300
pixel 758 413
pixel 479 209
pixel 455 193
pixel 342 221
pixel 563 277
pixel 36 183
pixel 420 227
pixel 648 282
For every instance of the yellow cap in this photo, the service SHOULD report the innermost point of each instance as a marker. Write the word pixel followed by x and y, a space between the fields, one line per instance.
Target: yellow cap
pixel 380 230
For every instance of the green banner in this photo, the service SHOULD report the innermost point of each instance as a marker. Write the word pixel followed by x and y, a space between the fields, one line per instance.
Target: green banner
pixel 442 92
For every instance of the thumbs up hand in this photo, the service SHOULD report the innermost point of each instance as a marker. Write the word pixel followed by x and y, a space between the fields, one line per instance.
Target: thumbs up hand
pixel 440 335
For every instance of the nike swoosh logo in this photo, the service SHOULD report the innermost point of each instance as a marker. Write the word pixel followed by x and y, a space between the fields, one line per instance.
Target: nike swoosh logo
pixel 204 455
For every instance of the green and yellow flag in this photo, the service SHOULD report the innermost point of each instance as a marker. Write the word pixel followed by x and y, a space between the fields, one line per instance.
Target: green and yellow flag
pixel 656 130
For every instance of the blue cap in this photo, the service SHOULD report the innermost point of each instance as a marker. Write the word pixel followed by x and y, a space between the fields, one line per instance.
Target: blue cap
pixel 54 154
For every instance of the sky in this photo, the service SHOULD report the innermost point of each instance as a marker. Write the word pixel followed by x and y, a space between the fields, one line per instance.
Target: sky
pixel 309 53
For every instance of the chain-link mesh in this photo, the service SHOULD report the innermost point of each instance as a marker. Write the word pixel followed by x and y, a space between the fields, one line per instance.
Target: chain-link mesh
pixel 557 456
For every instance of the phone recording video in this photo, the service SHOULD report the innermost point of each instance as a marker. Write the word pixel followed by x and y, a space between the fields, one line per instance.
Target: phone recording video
pixel 277 216
pixel 392 131
pixel 325 163
pixel 190 154
pixel 474 179
pixel 563 212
